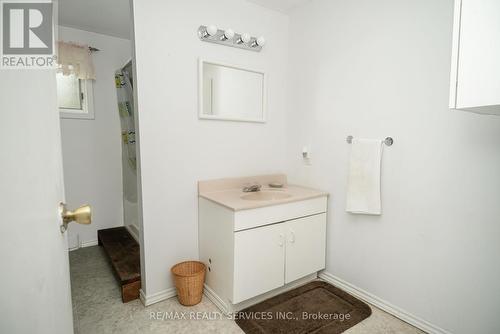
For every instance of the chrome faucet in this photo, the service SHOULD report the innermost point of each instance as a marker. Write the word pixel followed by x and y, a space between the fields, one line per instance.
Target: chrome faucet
pixel 253 188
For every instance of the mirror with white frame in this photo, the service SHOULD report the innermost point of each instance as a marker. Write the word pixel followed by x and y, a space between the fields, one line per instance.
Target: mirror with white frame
pixel 232 93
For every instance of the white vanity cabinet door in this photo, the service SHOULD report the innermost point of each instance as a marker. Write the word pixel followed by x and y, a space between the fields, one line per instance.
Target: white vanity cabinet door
pixel 306 246
pixel 259 261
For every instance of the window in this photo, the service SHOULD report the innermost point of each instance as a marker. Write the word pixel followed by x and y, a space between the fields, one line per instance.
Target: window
pixel 74 97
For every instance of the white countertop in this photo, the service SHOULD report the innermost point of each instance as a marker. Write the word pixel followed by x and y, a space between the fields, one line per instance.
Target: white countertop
pixel 229 192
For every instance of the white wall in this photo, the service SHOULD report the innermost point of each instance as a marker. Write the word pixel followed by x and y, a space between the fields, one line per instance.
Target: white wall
pixel 92 148
pixel 178 149
pixel 381 68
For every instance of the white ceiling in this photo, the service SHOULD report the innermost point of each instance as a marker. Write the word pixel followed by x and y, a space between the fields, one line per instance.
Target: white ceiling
pixel 109 17
pixel 112 17
pixel 284 6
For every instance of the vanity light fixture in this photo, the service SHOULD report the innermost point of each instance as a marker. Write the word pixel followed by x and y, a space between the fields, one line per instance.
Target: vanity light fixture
pixel 228 37
pixel 228 34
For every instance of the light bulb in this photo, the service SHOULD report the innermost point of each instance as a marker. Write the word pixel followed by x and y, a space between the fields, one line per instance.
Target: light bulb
pixel 211 30
pixel 244 38
pixel 258 42
pixel 228 34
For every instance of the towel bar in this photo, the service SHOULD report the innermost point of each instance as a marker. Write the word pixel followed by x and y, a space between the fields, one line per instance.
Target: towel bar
pixel 387 141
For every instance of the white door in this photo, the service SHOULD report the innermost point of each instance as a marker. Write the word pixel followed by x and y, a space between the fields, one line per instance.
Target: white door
pixel 305 248
pixel 35 295
pixel 259 261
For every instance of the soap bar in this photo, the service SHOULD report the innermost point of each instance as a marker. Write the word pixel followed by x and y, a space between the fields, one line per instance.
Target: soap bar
pixel 276 185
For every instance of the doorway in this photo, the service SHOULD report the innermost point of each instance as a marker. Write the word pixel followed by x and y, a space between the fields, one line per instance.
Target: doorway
pixel 95 86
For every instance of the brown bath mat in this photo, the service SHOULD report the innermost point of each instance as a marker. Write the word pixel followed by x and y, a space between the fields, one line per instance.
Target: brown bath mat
pixel 316 307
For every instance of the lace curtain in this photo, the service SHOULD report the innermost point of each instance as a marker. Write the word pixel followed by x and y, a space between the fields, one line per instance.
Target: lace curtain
pixel 75 59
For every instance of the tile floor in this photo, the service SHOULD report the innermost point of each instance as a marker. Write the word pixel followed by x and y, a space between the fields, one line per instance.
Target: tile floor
pixel 98 309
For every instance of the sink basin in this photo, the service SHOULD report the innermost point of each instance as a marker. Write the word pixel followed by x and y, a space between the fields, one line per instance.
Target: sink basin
pixel 265 196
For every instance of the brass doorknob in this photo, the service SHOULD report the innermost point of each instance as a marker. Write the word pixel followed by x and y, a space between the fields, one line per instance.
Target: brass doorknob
pixel 82 215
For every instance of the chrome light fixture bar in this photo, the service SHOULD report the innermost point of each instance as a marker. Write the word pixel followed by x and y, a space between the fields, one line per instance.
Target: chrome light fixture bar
pixel 228 37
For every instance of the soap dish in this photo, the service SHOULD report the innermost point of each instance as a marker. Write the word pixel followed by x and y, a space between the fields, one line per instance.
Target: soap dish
pixel 275 185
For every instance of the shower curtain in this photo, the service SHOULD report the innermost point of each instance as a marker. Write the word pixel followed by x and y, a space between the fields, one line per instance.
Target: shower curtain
pixel 124 82
pixel 125 93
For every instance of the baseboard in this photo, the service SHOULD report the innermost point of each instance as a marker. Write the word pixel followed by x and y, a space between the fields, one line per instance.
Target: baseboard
pixel 214 298
pixel 84 244
pixel 382 304
pixel 157 297
pixel 88 243
pixel 134 231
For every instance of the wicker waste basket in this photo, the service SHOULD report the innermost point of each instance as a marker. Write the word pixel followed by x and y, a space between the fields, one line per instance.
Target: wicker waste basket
pixel 189 277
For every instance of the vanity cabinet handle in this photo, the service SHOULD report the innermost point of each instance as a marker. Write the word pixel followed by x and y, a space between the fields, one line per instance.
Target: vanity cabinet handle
pixel 292 237
pixel 282 239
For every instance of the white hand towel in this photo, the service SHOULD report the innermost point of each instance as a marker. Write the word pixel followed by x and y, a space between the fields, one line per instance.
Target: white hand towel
pixel 363 189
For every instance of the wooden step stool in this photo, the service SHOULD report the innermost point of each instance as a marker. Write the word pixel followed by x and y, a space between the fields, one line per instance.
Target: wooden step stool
pixel 124 254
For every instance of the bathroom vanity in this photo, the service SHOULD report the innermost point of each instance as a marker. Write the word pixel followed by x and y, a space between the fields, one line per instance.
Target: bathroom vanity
pixel 259 244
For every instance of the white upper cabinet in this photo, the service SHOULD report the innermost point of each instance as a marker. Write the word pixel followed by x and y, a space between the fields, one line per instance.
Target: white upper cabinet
pixel 475 72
